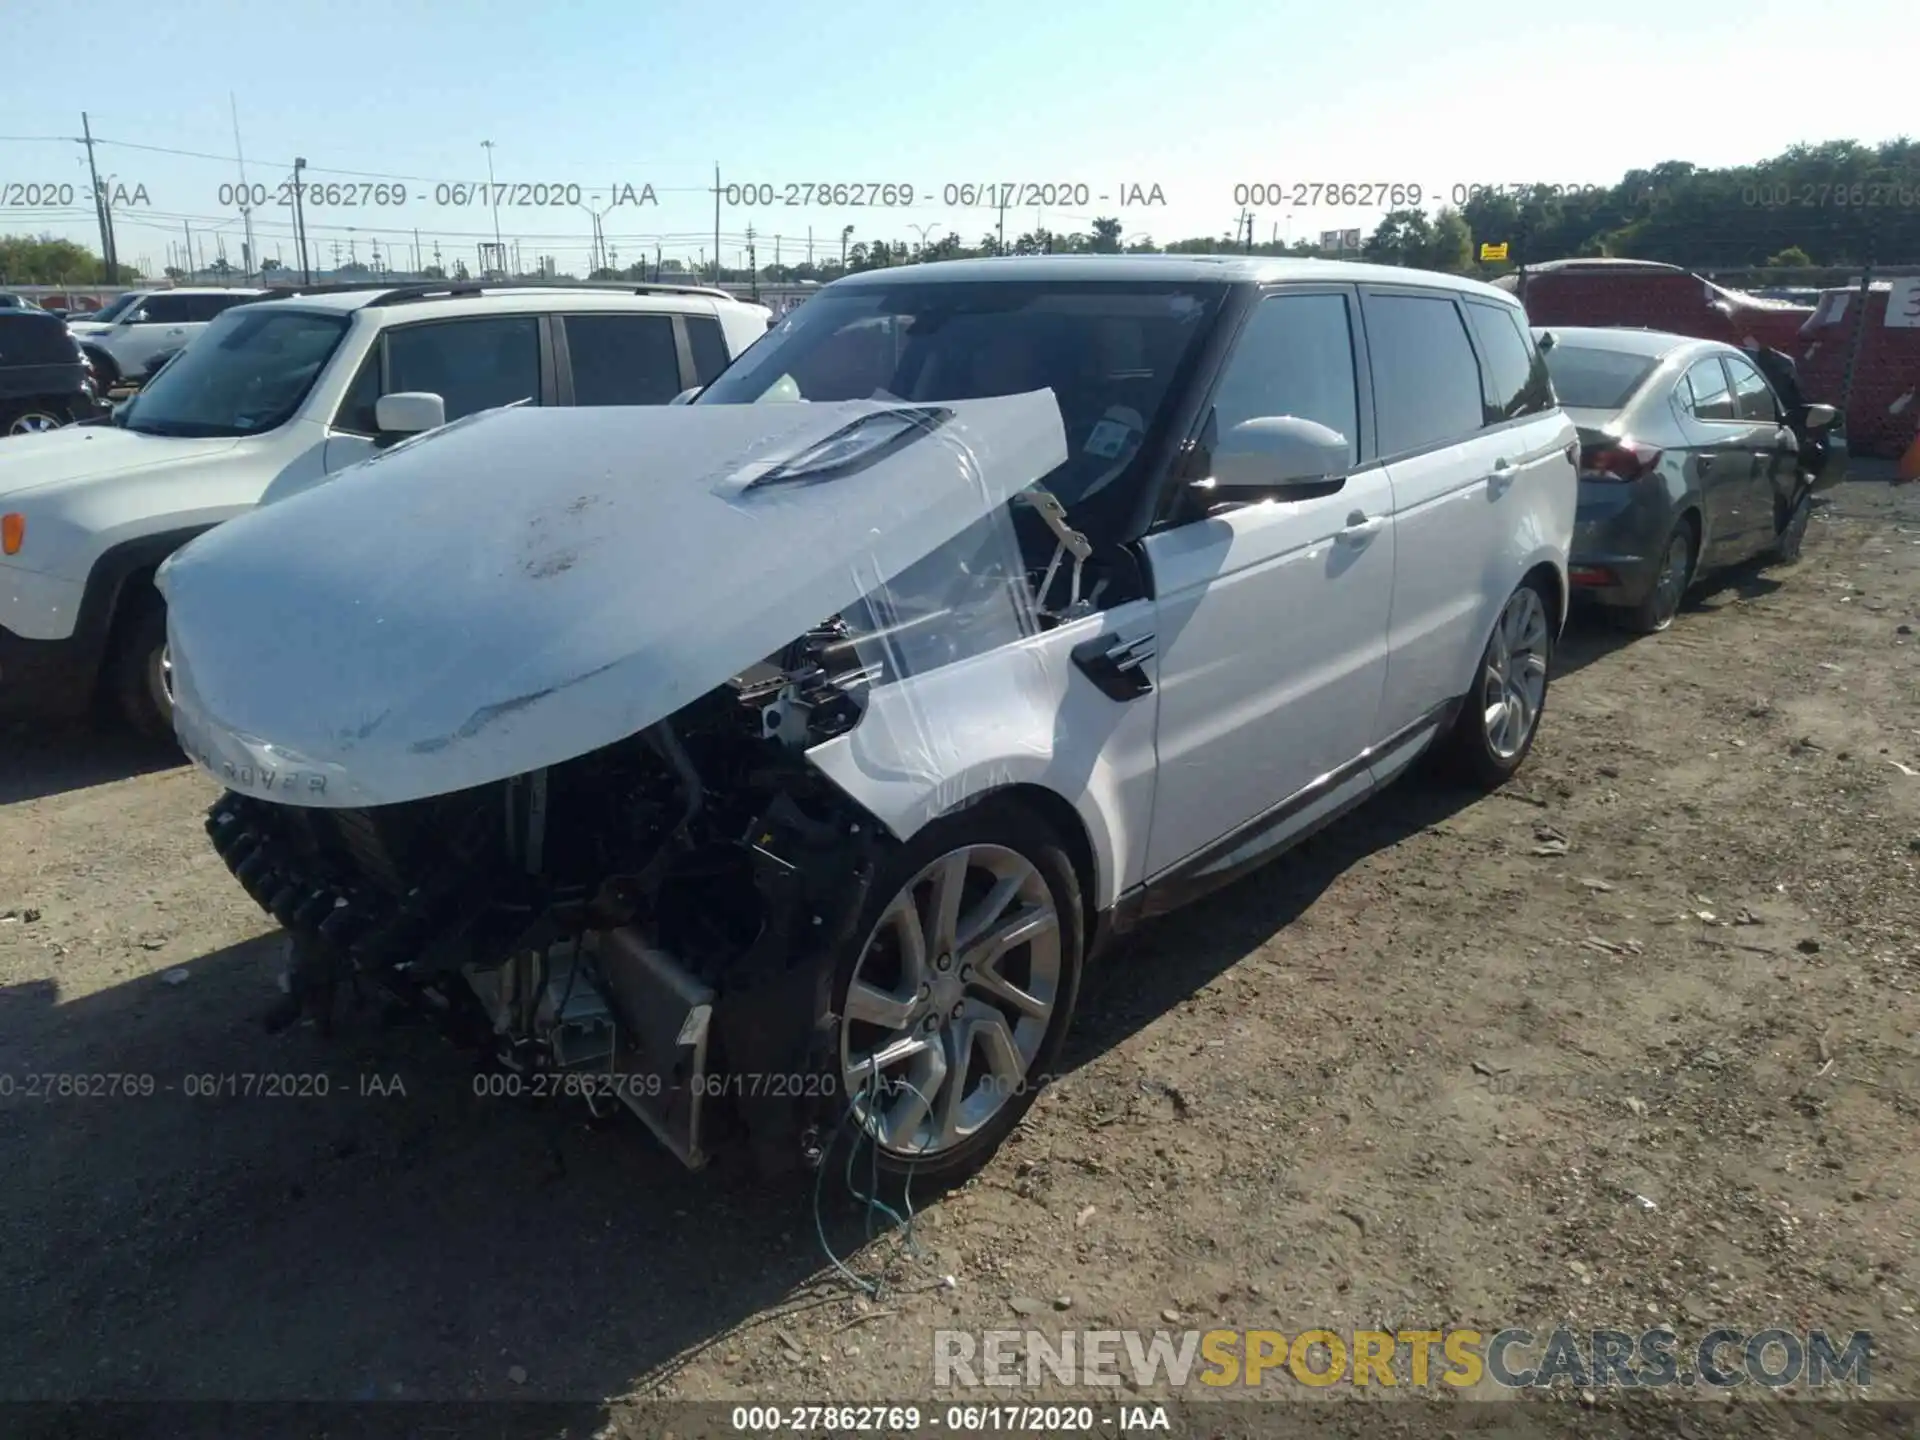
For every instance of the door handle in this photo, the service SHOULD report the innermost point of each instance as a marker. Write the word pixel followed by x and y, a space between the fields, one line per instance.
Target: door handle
pixel 1359 528
pixel 1501 476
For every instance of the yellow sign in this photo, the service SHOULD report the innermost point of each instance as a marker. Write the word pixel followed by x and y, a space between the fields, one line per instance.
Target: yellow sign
pixel 1494 252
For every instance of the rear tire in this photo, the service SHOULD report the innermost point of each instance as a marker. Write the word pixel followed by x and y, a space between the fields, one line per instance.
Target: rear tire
pixel 32 417
pixel 106 371
pixel 138 675
pixel 1495 729
pixel 1662 603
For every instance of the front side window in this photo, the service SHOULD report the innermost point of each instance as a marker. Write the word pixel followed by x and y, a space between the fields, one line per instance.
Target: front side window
pixel 247 372
pixel 206 307
pixel 1707 393
pixel 470 364
pixel 623 359
pixel 164 310
pixel 1516 376
pixel 1112 352
pixel 1294 357
pixel 1426 381
pixel 1752 396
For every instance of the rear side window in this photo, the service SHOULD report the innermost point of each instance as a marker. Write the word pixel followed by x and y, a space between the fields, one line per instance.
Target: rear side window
pixel 1752 396
pixel 30 339
pixel 1426 380
pixel 709 348
pixel 1516 381
pixel 1295 357
pixel 623 359
pixel 1706 393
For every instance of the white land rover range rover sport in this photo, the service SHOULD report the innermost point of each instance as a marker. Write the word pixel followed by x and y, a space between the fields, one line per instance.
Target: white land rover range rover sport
pixel 780 759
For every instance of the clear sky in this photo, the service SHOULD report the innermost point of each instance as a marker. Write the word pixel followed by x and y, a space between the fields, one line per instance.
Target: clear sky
pixel 1194 97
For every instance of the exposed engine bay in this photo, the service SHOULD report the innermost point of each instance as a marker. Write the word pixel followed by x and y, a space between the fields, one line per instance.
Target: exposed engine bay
pixel 659 917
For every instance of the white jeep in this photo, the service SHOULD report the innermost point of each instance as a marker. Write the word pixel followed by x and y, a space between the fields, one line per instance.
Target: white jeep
pixel 276 396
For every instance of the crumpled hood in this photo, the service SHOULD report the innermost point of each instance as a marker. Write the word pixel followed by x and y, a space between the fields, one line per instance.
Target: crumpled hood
pixel 93 452
pixel 535 584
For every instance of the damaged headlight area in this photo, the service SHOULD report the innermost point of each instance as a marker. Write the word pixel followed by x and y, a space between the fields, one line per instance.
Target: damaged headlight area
pixel 653 913
pixel 555 779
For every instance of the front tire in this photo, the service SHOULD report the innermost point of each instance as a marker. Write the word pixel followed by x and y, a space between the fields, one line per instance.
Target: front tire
pixel 139 676
pixel 1496 726
pixel 957 997
pixel 1790 537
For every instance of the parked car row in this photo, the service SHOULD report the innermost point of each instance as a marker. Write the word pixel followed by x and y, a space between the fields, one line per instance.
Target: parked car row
pixel 276 395
pixel 644 693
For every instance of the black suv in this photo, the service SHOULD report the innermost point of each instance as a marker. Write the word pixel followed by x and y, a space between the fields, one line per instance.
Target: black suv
pixel 45 381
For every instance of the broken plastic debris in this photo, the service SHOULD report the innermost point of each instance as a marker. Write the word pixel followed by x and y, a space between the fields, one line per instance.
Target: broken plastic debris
pixel 1645 1203
pixel 177 976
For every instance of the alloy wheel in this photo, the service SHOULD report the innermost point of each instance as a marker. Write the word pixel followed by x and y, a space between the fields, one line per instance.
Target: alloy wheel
pixel 950 1000
pixel 1672 584
pixel 35 422
pixel 160 680
pixel 1513 686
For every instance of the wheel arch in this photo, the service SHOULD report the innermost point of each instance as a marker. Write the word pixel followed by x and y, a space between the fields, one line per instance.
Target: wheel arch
pixel 1060 815
pixel 116 576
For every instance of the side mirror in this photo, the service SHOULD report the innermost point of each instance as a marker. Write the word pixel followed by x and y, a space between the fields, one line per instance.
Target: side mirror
pixel 408 412
pixel 1821 416
pixel 686 397
pixel 1546 341
pixel 1268 456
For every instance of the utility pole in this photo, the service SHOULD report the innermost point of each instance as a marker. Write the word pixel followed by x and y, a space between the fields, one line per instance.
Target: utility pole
pixel 845 235
pixel 809 247
pixel 102 210
pixel 188 263
pixel 300 220
pixel 1002 244
pixel 656 262
pixel 716 224
pixel 416 250
pixel 248 259
pixel 493 190
pixel 753 265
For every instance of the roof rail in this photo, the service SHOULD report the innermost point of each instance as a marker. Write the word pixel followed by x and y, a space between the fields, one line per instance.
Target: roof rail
pixel 451 289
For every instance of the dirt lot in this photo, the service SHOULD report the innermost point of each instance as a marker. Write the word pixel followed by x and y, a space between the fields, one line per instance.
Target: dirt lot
pixel 1632 1042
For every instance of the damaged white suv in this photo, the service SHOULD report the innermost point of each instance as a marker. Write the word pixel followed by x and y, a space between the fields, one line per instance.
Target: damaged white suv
pixel 773 769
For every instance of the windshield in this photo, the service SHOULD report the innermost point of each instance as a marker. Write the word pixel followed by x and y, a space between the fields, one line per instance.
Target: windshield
pixel 246 373
pixel 1588 379
pixel 1109 351
pixel 113 309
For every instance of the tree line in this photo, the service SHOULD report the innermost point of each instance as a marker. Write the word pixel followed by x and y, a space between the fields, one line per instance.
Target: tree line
pixel 1838 203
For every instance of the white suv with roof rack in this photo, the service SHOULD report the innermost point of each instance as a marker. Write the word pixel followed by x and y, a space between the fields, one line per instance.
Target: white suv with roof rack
pixel 279 395
pixel 124 340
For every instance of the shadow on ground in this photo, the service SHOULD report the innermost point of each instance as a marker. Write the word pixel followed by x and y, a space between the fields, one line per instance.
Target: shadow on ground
pixel 202 1211
pixel 38 760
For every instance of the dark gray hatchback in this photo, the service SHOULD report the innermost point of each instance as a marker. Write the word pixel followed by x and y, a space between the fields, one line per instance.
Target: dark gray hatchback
pixel 1688 462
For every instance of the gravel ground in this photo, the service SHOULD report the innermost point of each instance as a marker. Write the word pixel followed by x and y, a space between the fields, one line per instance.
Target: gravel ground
pixel 1632 1042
